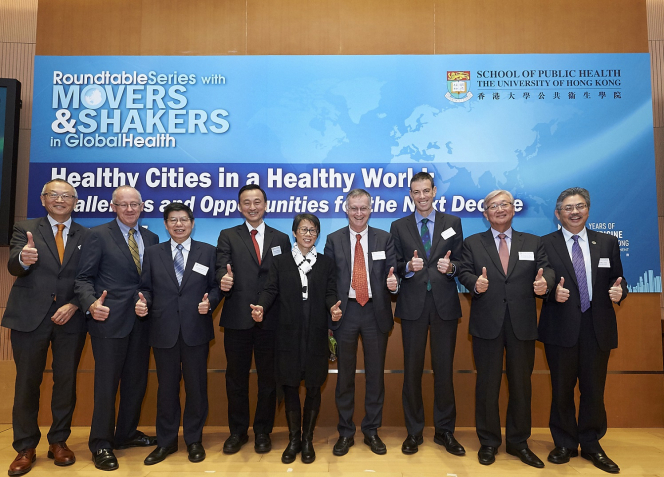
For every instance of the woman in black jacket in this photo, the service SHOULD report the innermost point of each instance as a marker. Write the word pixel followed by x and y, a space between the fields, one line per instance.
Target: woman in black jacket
pixel 304 283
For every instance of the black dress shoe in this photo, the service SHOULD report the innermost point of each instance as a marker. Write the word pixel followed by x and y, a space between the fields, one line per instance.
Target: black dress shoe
pixel 234 443
pixel 342 445
pixel 561 455
pixel 104 459
pixel 451 444
pixel 262 443
pixel 159 454
pixel 141 440
pixel 601 461
pixel 409 446
pixel 377 446
pixel 196 452
pixel 487 455
pixel 526 455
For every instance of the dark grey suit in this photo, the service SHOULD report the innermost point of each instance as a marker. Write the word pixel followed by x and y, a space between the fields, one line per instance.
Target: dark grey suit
pixel 37 294
pixel 373 322
pixel 120 343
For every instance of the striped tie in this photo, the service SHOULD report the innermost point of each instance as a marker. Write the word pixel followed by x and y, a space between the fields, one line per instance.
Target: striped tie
pixel 179 263
pixel 580 271
pixel 133 249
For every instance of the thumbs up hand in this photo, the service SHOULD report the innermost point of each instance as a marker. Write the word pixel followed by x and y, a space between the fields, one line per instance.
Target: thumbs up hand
pixel 204 305
pixel 29 253
pixel 416 263
pixel 141 308
pixel 98 311
pixel 391 280
pixel 335 311
pixel 257 313
pixel 539 285
pixel 227 280
pixel 444 264
pixel 562 294
pixel 482 283
pixel 616 291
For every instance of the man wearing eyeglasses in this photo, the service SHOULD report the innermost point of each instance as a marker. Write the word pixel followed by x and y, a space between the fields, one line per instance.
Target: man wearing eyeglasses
pixel 428 245
pixel 42 310
pixel 366 263
pixel 107 282
pixel 578 328
pixel 179 289
pixel 505 270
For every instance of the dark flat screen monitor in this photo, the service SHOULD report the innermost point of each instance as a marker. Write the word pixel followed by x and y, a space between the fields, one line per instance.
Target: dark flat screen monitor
pixel 10 111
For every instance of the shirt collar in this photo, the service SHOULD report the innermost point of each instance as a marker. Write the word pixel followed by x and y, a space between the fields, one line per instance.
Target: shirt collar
pixel 431 217
pixel 186 244
pixel 362 234
pixel 583 235
pixel 125 228
pixel 260 228
pixel 54 222
pixel 507 232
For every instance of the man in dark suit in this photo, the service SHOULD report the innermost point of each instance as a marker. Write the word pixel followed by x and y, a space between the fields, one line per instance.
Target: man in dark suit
pixel 360 252
pixel 179 288
pixel 244 256
pixel 578 328
pixel 504 270
pixel 108 277
pixel 42 310
pixel 428 245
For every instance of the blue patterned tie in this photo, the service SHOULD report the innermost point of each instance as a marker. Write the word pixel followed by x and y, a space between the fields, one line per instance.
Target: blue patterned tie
pixel 179 263
pixel 580 271
pixel 426 241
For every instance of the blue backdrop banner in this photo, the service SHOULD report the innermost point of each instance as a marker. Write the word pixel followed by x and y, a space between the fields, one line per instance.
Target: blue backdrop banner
pixel 308 129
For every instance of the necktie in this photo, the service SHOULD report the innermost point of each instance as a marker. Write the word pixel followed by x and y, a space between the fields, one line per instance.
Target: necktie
pixel 426 237
pixel 179 263
pixel 59 242
pixel 580 272
pixel 133 249
pixel 359 281
pixel 503 252
pixel 256 247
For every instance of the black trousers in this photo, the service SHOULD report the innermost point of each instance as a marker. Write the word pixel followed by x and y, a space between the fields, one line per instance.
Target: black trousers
pixel 360 321
pixel 123 363
pixel 239 346
pixel 520 360
pixel 30 351
pixel 443 342
pixel 292 398
pixel 190 363
pixel 587 363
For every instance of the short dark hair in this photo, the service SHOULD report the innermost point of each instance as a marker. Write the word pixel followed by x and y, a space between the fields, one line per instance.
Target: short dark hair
pixel 310 217
pixel 177 207
pixel 570 192
pixel 251 187
pixel 422 176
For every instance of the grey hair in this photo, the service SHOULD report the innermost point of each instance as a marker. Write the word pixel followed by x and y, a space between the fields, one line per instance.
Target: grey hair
pixel 357 193
pixel 496 193
pixel 570 192
pixel 125 187
pixel 59 180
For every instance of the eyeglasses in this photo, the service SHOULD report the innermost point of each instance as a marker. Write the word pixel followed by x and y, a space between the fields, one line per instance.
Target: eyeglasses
pixel 501 206
pixel 305 231
pixel 354 210
pixel 182 220
pixel 570 208
pixel 55 196
pixel 131 205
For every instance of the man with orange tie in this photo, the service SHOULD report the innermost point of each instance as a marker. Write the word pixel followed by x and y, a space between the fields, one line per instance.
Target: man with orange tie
pixel 366 262
pixel 42 310
pixel 578 328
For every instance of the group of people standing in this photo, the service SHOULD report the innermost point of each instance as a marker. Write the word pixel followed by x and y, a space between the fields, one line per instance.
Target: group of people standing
pixel 130 293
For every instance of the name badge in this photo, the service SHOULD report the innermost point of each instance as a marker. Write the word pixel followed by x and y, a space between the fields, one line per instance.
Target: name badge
pixel 604 263
pixel 527 256
pixel 276 250
pixel 448 233
pixel 202 269
pixel 378 255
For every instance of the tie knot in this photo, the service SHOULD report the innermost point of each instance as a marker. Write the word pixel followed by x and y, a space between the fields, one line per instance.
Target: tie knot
pixel 502 236
pixel 180 247
pixel 254 232
pixel 358 237
pixel 575 238
pixel 132 231
pixel 61 227
pixel 425 221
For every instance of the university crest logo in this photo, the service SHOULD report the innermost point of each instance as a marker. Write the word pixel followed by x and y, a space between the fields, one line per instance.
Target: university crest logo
pixel 457 86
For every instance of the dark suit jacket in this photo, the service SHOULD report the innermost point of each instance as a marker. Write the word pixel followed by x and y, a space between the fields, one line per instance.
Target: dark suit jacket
pixel 34 289
pixel 513 292
pixel 172 307
pixel 407 239
pixel 283 286
pixel 106 264
pixel 560 322
pixel 236 247
pixel 337 248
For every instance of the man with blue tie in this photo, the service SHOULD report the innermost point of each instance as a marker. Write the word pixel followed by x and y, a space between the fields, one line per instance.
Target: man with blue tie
pixel 179 289
pixel 578 328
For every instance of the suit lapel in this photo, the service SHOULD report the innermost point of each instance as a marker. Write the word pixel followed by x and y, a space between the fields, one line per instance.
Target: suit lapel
pixel 560 247
pixel 594 254
pixel 244 234
pixel 72 242
pixel 47 234
pixel 345 246
pixel 490 246
pixel 438 228
pixel 166 255
pixel 371 240
pixel 120 241
pixel 417 238
pixel 194 254
pixel 267 242
pixel 517 245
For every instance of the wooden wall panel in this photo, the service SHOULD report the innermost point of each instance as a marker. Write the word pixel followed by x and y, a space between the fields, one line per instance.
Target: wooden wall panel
pixel 18 21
